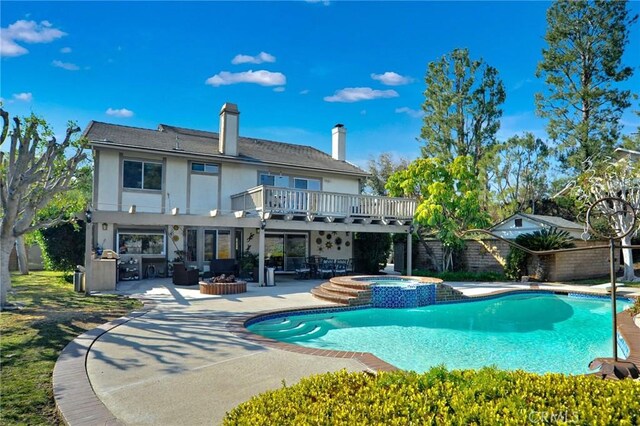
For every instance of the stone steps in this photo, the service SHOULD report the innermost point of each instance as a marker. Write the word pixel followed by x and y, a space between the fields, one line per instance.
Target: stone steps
pixel 344 295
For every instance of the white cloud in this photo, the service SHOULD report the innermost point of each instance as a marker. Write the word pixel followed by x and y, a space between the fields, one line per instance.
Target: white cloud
pixel 27 32
pixel 391 78
pixel 65 50
pixel 258 59
pixel 324 2
pixel 304 92
pixel 65 65
pixel 356 94
pixel 410 112
pixel 278 89
pixel 24 96
pixel 261 77
pixel 122 112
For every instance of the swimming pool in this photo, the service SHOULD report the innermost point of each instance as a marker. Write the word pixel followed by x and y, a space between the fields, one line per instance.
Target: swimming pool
pixel 539 332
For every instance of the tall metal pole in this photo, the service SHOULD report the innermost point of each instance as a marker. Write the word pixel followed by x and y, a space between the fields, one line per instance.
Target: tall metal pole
pixel 612 273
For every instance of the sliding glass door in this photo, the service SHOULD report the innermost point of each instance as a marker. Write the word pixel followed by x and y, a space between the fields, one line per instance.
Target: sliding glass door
pixel 204 245
pixel 286 252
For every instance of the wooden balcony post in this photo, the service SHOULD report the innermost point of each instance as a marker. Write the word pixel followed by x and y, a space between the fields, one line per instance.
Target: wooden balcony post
pixel 261 257
pixel 409 247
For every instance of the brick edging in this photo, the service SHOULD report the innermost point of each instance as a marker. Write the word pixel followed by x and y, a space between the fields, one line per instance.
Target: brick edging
pixel 75 399
pixel 237 327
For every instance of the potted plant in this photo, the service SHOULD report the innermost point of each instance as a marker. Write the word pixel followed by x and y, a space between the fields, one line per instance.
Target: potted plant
pixel 249 265
pixel 178 259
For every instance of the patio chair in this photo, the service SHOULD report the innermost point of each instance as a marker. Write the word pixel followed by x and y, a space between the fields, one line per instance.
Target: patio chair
pixel 349 269
pixel 303 270
pixel 341 267
pixel 184 276
pixel 327 267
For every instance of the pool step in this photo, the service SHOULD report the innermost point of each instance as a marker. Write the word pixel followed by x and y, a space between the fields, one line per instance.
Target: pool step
pixel 344 295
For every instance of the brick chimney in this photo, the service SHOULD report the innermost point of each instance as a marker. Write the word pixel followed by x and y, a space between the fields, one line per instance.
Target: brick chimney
pixel 339 142
pixel 229 122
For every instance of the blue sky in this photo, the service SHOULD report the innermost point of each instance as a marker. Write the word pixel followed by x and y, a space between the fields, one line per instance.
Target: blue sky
pixel 295 69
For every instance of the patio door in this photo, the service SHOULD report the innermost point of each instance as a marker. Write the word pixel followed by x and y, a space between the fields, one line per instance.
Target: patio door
pixel 286 252
pixel 204 245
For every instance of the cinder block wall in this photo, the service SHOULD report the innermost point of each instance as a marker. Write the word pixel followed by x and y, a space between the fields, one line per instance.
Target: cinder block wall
pixel 490 255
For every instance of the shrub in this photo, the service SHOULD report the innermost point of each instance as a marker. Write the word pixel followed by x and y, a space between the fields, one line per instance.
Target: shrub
pixel 371 251
pixel 545 239
pixel 62 246
pixel 440 397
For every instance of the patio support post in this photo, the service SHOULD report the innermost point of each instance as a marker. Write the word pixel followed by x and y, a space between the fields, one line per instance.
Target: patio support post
pixel 409 249
pixel 261 257
pixel 88 249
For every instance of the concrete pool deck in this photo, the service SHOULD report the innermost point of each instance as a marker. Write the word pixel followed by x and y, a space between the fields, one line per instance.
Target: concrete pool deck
pixel 178 362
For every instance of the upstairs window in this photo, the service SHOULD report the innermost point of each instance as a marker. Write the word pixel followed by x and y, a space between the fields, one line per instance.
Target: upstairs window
pixel 273 180
pixel 518 223
pixel 142 175
pixel 207 168
pixel 310 184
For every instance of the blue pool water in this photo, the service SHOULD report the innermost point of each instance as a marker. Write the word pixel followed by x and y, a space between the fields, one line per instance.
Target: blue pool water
pixel 534 332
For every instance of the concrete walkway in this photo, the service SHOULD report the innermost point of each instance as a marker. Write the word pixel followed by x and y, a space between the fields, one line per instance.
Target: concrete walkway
pixel 178 363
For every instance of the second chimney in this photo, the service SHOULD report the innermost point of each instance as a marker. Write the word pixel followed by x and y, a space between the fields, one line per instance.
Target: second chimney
pixel 339 142
pixel 229 122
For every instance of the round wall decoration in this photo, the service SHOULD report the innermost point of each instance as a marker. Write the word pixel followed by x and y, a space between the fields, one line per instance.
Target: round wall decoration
pixel 328 236
pixel 175 237
pixel 176 227
pixel 318 240
pixel 338 240
pixel 348 243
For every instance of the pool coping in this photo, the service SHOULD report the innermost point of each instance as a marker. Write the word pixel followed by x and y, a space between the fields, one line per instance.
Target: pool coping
pixel 626 328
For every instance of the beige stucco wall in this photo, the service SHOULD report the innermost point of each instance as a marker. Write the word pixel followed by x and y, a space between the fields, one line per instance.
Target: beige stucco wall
pixel 235 178
pixel 341 184
pixel 108 177
pixel 176 183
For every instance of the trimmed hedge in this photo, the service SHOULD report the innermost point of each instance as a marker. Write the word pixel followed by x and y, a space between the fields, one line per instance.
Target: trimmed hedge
pixel 440 397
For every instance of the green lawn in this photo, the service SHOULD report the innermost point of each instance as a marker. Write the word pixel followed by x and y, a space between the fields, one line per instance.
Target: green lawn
pixel 33 337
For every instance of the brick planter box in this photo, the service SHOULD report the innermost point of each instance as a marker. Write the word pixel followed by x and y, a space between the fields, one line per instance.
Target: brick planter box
pixel 223 288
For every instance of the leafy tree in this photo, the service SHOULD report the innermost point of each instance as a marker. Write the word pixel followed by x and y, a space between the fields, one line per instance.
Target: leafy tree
pixel 518 174
pixel 32 171
pixel 619 179
pixel 462 108
pixel 448 196
pixel 379 171
pixel 371 251
pixel 581 67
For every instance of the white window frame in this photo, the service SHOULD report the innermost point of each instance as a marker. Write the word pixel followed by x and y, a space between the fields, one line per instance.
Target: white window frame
pixel 142 162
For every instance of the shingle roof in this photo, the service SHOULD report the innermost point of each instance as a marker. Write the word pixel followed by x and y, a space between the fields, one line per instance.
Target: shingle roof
pixel 198 142
pixel 554 221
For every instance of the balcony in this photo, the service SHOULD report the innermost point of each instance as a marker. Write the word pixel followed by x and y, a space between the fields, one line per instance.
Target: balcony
pixel 297 204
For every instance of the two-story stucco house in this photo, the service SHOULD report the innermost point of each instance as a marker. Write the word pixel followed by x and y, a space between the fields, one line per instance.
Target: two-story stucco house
pixel 170 192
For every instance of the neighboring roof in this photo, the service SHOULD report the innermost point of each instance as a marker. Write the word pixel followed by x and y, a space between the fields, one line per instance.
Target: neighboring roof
pixel 198 143
pixel 623 151
pixel 554 221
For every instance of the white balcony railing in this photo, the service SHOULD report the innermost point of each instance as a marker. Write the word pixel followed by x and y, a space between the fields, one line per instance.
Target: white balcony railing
pixel 286 201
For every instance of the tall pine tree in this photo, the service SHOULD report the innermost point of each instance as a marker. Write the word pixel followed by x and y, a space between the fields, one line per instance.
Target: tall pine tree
pixel 581 68
pixel 462 108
